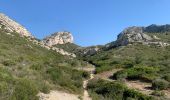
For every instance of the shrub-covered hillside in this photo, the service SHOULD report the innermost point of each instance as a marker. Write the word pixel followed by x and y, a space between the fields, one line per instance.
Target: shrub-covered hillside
pixel 26 69
pixel 146 63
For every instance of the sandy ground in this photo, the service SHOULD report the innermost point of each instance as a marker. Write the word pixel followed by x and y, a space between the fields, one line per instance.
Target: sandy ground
pixel 58 95
pixel 143 87
pixel 106 74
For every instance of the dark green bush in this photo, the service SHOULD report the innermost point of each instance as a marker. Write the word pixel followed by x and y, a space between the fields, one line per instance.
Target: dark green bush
pixel 167 77
pixel 114 91
pixel 160 84
pixel 136 95
pixel 120 75
pixel 140 73
pixel 85 74
pixel 8 63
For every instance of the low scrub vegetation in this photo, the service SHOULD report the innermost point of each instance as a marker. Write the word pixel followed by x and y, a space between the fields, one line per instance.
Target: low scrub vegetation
pixel 26 69
pixel 140 73
pixel 103 90
pixel 160 84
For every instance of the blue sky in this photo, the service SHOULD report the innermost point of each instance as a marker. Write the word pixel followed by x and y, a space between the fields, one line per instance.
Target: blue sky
pixel 91 22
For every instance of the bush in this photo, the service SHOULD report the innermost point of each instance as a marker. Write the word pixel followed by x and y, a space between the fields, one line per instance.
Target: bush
pixel 114 91
pixel 160 84
pixel 120 75
pixel 158 93
pixel 45 88
pixel 8 63
pixel 167 77
pixel 25 90
pixel 85 74
pixel 136 95
pixel 141 73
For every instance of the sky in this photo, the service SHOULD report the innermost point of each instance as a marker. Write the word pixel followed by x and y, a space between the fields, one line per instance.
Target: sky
pixel 92 22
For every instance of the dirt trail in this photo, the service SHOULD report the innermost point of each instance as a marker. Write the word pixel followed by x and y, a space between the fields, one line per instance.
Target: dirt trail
pixel 59 95
pixel 86 95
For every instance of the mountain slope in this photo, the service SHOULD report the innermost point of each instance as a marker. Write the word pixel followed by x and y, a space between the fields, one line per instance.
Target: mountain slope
pixel 27 68
pixel 141 56
pixel 13 26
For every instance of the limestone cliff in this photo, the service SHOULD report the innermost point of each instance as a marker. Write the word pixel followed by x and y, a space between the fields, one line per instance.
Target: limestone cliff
pixel 12 26
pixel 58 38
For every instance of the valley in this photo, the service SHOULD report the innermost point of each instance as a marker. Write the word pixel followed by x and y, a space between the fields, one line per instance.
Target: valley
pixel 134 67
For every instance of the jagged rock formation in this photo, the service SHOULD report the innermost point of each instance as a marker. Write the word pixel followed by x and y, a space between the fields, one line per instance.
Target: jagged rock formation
pixel 87 51
pixel 58 38
pixel 140 35
pixel 132 34
pixel 12 26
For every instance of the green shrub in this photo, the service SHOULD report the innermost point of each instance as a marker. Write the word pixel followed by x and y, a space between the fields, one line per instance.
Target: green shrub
pixel 36 67
pixel 141 73
pixel 8 63
pixel 25 90
pixel 85 74
pixel 136 95
pixel 120 75
pixel 45 88
pixel 113 91
pixel 128 64
pixel 167 77
pixel 160 84
pixel 158 93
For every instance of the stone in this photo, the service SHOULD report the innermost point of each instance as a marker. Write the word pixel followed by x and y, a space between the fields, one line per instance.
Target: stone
pixel 12 26
pixel 58 38
pixel 132 34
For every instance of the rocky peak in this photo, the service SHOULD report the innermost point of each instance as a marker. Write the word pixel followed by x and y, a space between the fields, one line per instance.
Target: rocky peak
pixel 12 26
pixel 58 38
pixel 157 28
pixel 132 34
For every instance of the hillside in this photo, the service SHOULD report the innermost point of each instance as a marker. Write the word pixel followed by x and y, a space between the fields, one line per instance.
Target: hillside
pixel 134 67
pixel 143 57
pixel 27 68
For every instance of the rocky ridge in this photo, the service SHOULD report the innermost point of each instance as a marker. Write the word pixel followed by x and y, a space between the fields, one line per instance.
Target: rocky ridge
pixel 139 35
pixel 58 38
pixel 12 26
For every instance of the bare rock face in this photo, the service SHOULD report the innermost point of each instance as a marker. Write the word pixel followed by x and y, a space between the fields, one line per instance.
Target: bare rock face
pixel 12 26
pixel 132 34
pixel 58 38
pixel 140 35
pixel 85 51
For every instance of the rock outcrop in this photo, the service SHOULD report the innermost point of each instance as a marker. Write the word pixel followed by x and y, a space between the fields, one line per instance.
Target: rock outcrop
pixel 12 26
pixel 58 38
pixel 140 35
pixel 132 34
pixel 87 51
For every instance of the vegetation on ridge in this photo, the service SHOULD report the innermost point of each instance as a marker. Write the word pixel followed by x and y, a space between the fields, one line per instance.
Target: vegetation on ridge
pixel 26 69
